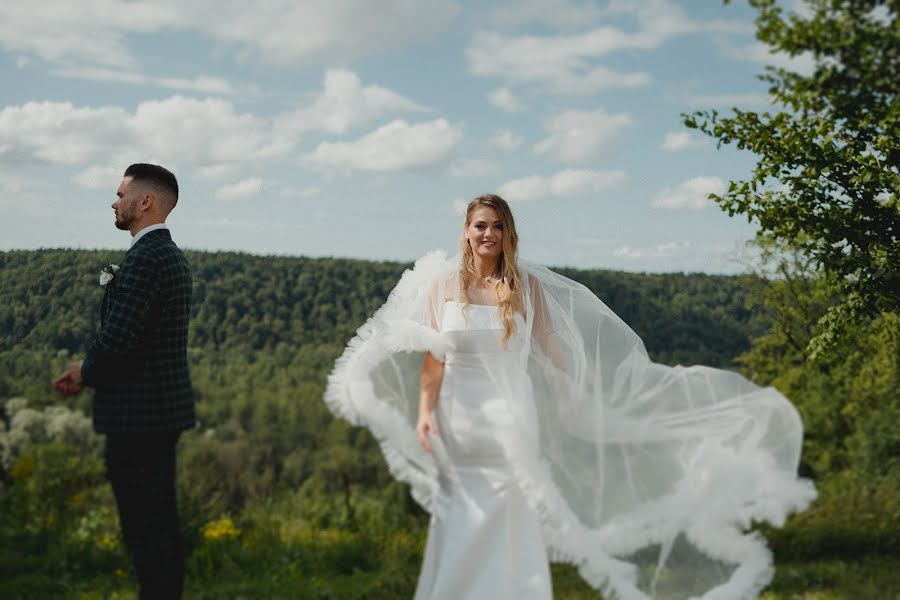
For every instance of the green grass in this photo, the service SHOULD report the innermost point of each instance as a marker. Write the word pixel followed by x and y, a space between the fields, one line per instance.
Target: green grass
pixel 290 577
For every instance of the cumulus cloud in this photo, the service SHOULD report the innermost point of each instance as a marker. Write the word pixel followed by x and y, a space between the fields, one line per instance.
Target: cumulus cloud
pixel 208 134
pixel 242 190
pixel 61 133
pixel 317 31
pixel 691 194
pixel 567 183
pixel 281 32
pixel 579 136
pixel 569 63
pixel 504 99
pixel 397 146
pixel 344 103
pixel 560 64
pixel 505 140
pixel 675 141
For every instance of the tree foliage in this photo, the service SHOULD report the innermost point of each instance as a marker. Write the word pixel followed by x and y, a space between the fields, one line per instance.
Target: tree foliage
pixel 827 181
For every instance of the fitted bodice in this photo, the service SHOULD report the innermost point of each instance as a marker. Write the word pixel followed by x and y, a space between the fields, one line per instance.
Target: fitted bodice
pixel 477 329
pixel 459 317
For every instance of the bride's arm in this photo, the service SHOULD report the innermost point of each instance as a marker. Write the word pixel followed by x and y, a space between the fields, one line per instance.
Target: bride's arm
pixel 431 376
pixel 429 388
pixel 543 331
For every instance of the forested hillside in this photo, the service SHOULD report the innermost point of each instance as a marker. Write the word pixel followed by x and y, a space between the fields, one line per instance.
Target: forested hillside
pixel 50 299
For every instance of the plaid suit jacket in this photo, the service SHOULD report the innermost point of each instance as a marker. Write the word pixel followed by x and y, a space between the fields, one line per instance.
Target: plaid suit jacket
pixel 137 363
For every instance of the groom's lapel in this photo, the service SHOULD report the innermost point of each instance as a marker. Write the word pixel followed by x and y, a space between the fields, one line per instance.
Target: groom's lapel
pixel 104 304
pixel 109 291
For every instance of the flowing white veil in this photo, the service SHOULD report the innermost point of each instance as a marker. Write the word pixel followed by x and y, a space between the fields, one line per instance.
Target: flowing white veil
pixel 646 477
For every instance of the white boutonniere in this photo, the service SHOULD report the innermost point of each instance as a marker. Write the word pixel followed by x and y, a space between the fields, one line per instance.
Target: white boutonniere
pixel 108 273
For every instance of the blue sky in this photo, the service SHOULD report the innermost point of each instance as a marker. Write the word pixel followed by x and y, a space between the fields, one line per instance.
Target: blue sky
pixel 359 128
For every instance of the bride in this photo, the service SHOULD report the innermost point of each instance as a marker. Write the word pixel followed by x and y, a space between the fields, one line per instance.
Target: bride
pixel 529 420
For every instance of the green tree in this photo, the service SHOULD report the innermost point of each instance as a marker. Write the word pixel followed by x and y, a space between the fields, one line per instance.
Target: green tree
pixel 826 181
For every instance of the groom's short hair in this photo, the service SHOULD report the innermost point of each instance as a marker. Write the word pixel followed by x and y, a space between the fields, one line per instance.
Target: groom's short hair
pixel 155 175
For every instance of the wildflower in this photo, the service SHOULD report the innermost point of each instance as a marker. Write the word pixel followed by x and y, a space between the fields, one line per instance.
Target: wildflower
pixel 219 529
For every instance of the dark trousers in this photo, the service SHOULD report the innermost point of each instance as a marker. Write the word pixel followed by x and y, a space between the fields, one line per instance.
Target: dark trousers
pixel 141 470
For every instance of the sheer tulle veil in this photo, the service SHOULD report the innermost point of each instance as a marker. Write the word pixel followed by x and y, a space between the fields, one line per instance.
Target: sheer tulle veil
pixel 644 476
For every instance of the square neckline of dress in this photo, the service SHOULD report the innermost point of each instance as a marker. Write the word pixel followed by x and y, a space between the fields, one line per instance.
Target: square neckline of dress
pixel 473 304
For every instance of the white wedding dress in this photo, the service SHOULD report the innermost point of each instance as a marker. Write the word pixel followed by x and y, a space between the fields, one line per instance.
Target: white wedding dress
pixel 569 444
pixel 484 541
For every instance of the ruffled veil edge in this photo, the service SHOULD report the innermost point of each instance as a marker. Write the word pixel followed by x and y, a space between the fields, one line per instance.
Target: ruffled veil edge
pixel 645 477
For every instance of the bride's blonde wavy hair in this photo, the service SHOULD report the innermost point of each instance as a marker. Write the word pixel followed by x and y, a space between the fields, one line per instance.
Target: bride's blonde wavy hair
pixel 507 282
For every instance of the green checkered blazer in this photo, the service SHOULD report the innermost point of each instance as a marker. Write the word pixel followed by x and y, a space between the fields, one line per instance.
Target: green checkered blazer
pixel 137 364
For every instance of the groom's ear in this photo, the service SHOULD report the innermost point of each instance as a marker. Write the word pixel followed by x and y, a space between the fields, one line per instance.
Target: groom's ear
pixel 148 199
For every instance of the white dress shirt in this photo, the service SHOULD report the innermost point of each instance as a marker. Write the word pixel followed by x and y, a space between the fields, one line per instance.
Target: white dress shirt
pixel 145 231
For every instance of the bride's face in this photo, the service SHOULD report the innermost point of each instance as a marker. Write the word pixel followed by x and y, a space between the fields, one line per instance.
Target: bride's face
pixel 485 232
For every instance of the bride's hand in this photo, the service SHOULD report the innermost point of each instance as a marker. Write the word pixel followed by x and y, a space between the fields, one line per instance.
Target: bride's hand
pixel 424 427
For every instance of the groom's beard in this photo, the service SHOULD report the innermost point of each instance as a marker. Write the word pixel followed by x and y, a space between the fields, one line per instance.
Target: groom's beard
pixel 124 220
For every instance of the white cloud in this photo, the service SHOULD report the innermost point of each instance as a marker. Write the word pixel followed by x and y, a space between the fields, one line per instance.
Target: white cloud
pixel 761 53
pixel 344 103
pixel 691 194
pixel 280 31
pixel 568 63
pixel 658 251
pixel 219 171
pixel 561 13
pixel 579 136
pixel 320 31
pixel 559 64
pixel 203 84
pixel 94 31
pixel 504 99
pixel 199 131
pixel 675 141
pixel 61 133
pixel 565 184
pixel 242 190
pixel 397 146
pixel 100 178
pixel 505 140
pixel 472 167
pixel 203 133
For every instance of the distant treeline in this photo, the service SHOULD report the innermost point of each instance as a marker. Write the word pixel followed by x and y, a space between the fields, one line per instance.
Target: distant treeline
pixel 49 299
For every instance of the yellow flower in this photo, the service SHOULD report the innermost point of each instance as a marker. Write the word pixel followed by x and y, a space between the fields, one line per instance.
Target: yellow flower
pixel 219 529
pixel 108 542
pixel 78 498
pixel 120 573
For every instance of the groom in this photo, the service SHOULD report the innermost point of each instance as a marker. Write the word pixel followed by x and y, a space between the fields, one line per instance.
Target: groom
pixel 137 365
